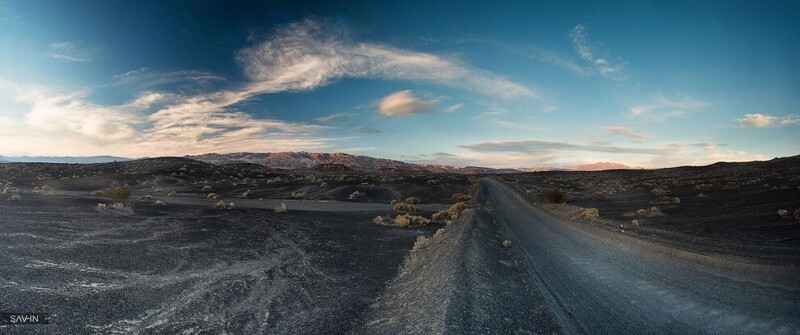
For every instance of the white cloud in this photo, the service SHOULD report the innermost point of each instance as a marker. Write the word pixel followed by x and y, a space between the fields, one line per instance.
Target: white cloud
pixel 756 120
pixel 332 117
pixel 403 103
pixel 661 107
pixel 580 41
pixel 764 120
pixel 309 54
pixel 454 108
pixel 627 132
pixel 72 52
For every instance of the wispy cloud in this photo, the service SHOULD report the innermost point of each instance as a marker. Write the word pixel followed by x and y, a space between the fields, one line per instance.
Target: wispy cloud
pixel 554 59
pixel 72 52
pixel 766 121
pixel 309 54
pixel 332 117
pixel 627 132
pixel 580 41
pixel 145 79
pixel 453 108
pixel 403 103
pixel 661 107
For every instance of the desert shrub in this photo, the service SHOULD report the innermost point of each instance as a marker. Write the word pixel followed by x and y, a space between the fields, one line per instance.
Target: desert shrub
pixel 212 196
pixel 405 207
pixel 299 194
pixel 432 182
pixel 231 205
pixel 146 197
pixel 158 190
pixel 221 205
pixel 797 213
pixel 172 194
pixel 355 195
pixel 207 188
pixel 553 196
pixel 118 195
pixel 323 184
pixel 101 207
pixel 15 197
pixel 589 214
pixel 98 193
pixel 440 216
pixel 381 220
pixel 660 191
pixel 459 197
pixel 507 243
pixel 246 194
pixel 402 221
pixel 456 209
pixel 412 201
pixel 281 208
pixel 422 242
pixel 439 233
pixel 783 213
pixel 160 203
pixel 635 222
pixel 652 211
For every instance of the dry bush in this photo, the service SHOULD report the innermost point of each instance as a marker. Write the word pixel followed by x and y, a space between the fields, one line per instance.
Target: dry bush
pixel 146 197
pixel 381 220
pixel 797 214
pixel 660 191
pixel 16 197
pixel 783 213
pixel 118 195
pixel 440 216
pixel 635 222
pixel 101 207
pixel 588 214
pixel 355 195
pixel 507 243
pixel 281 208
pixel 221 205
pixel 212 196
pixel 439 233
pixel 652 211
pixel 456 209
pixel 405 207
pixel 459 197
pixel 172 194
pixel 402 221
pixel 158 190
pixel 552 196
pixel 207 188
pixel 246 194
pixel 412 201
pixel 422 242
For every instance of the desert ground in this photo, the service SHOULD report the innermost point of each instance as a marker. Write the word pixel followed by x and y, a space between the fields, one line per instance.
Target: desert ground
pixel 207 249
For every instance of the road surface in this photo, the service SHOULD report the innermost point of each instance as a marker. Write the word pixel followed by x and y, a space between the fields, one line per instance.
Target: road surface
pixel 601 284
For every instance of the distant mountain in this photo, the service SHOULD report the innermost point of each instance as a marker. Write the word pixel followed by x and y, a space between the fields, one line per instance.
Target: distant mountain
pixel 336 161
pixel 600 166
pixel 66 159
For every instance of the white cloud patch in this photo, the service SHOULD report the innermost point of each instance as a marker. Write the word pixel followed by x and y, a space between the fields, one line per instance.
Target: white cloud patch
pixel 767 121
pixel 627 132
pixel 332 117
pixel 72 52
pixel 661 107
pixel 580 41
pixel 454 108
pixel 309 54
pixel 403 103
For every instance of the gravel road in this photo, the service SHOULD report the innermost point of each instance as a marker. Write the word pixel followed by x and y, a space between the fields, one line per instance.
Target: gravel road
pixel 605 283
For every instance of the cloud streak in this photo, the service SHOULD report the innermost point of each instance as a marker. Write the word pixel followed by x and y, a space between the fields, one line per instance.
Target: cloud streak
pixel 766 121
pixel 627 132
pixel 548 146
pixel 72 52
pixel 310 54
pixel 580 41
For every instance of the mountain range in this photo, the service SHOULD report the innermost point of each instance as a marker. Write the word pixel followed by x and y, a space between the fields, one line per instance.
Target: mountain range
pixel 64 159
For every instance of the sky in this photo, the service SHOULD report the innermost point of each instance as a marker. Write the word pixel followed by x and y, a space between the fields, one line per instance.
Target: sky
pixel 507 84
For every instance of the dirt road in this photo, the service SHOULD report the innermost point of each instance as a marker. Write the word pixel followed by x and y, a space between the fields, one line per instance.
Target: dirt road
pixel 603 283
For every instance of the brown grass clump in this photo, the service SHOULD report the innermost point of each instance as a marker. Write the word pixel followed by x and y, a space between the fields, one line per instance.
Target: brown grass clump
pixel 207 188
pixel 16 197
pixel 407 220
pixel 797 214
pixel 355 195
pixel 660 191
pixel 118 195
pixel 281 208
pixel 412 201
pixel 652 211
pixel 405 207
pixel 589 214
pixel 381 220
pixel 459 197
pixel 422 242
pixel 212 196
pixel 552 196
pixel 783 213
pixel 507 243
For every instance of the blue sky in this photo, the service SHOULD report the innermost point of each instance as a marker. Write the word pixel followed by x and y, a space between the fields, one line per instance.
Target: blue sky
pixel 517 84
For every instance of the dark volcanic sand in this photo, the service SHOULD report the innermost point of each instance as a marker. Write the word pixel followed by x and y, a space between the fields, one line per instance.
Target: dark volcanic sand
pixel 173 269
